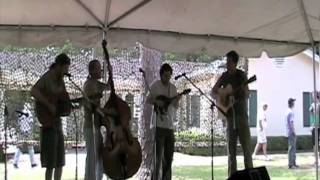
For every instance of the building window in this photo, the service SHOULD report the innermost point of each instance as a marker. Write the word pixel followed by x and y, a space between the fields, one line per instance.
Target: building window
pixel 129 98
pixel 193 111
pixel 252 108
pixel 307 100
pixel 279 62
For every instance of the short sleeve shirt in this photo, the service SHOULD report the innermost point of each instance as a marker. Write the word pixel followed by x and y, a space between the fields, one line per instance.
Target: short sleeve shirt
pixel 92 87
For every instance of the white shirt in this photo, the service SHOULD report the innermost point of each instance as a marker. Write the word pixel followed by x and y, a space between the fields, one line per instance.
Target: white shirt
pixel 25 121
pixel 156 89
pixel 262 116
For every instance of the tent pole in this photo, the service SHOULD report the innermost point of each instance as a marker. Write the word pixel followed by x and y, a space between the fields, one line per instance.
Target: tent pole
pixel 306 21
pixel 318 112
pixel 125 14
pixel 107 12
pixel 315 112
pixel 315 99
pixel 89 11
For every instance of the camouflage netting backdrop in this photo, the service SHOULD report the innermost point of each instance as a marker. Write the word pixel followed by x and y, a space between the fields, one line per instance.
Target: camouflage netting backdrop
pixel 20 68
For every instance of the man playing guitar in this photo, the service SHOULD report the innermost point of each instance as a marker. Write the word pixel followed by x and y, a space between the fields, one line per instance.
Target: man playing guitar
pixel 237 117
pixel 50 95
pixel 164 121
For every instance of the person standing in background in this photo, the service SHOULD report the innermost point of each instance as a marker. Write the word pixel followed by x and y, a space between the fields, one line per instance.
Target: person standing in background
pixel 261 132
pixel 291 134
pixel 25 124
pixel 314 120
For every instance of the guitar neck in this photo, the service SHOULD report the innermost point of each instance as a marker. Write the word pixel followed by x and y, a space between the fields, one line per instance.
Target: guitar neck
pixel 250 80
pixel 174 97
pixel 179 94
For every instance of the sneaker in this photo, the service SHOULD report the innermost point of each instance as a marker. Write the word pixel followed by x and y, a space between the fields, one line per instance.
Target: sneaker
pixel 266 158
pixel 292 167
pixel 254 157
pixel 296 166
pixel 15 166
pixel 33 165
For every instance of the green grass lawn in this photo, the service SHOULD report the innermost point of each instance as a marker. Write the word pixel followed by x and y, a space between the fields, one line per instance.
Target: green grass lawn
pixel 277 169
pixel 275 173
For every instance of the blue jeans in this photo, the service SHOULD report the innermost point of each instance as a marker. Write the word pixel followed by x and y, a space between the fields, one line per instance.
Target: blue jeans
pixel 18 153
pixel 292 139
pixel 94 164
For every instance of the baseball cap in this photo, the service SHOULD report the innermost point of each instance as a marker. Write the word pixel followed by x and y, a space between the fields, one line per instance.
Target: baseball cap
pixel 291 100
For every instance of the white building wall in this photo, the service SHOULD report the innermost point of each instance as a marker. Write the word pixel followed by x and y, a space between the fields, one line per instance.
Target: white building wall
pixel 278 82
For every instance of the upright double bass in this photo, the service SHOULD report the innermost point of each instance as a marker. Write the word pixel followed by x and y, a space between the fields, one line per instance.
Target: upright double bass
pixel 122 152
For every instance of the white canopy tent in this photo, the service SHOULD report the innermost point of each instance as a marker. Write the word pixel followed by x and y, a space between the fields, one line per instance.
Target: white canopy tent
pixel 280 27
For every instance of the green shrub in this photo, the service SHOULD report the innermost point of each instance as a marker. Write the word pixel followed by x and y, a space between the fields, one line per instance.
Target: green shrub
pixel 304 143
pixel 192 136
pixel 194 143
pixel 280 143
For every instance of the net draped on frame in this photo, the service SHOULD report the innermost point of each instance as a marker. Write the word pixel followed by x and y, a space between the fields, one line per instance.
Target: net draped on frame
pixel 21 68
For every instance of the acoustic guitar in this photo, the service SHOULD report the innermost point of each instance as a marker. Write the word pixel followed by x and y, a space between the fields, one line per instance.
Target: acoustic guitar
pixel 63 108
pixel 225 99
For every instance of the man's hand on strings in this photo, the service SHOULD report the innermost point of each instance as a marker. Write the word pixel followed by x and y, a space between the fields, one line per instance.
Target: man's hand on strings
pixel 159 103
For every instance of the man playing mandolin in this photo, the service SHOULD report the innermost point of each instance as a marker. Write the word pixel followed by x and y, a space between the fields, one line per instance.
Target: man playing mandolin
pixel 237 117
pixel 164 120
pixel 51 96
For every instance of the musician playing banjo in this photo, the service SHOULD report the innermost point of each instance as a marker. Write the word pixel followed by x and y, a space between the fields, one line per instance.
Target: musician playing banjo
pixel 164 121
pixel 237 117
pixel 48 91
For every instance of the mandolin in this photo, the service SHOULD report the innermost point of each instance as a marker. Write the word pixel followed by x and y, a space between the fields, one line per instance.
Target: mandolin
pixel 166 101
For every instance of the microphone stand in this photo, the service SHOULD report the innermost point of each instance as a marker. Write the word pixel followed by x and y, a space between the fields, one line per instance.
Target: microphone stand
pixel 5 141
pixel 5 113
pixel 75 121
pixel 211 107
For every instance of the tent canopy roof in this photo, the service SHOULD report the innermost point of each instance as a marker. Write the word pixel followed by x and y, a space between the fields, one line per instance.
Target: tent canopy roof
pixel 280 27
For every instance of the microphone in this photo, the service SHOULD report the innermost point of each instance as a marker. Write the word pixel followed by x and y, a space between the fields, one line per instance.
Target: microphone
pixel 179 76
pixel 22 113
pixel 6 112
pixel 68 75
pixel 141 70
